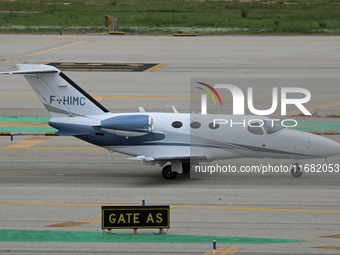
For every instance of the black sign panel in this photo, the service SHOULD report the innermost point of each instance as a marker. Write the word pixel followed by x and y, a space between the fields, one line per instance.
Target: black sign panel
pixel 135 217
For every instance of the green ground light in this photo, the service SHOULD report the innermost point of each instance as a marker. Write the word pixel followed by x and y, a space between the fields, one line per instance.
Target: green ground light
pixel 16 235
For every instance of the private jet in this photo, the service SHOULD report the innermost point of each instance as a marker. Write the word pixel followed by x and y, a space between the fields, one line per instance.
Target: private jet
pixel 175 141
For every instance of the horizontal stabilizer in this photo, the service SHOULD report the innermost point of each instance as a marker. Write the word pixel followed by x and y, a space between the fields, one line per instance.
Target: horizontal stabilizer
pixel 30 72
pixel 33 69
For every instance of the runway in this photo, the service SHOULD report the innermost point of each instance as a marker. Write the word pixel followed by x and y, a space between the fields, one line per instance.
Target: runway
pixel 60 183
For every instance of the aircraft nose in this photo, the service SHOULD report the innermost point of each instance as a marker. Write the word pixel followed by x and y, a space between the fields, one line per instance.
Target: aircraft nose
pixel 331 148
pixel 313 145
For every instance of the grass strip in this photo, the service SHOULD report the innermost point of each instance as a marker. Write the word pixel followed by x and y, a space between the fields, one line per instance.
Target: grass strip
pixel 173 16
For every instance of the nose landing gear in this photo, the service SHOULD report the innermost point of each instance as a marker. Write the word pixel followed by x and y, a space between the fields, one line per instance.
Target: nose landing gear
pixel 296 170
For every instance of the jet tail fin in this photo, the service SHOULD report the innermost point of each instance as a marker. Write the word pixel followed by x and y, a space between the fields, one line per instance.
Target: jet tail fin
pixel 59 94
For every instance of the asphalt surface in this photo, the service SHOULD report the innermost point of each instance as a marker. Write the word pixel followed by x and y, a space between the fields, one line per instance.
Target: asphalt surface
pixel 62 179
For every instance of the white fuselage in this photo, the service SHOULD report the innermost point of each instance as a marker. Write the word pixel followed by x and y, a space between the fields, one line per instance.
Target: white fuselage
pixel 226 141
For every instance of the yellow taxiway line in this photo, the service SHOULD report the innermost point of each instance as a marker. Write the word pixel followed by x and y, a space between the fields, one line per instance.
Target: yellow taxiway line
pixel 327 247
pixel 332 236
pixel 222 251
pixel 170 42
pixel 332 101
pixel 312 109
pixel 185 207
pixel 126 97
pixel 75 223
pixel 38 53
pixel 27 143
pixel 156 67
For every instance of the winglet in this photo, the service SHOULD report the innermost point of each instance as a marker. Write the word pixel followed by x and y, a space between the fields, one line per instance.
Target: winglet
pixel 173 108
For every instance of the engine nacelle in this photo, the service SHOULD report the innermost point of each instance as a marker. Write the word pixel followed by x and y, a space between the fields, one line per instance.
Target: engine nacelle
pixel 128 125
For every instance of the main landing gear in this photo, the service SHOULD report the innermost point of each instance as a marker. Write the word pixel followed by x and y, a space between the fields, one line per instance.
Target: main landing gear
pixel 167 173
pixel 296 170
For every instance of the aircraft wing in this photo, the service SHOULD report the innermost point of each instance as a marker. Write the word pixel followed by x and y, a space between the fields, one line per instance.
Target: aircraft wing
pixel 171 158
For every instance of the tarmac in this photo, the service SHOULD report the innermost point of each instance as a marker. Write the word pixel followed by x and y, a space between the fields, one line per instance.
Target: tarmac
pixel 52 188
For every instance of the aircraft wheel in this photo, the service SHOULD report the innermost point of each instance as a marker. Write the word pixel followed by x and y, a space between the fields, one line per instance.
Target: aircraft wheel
pixel 167 173
pixel 296 170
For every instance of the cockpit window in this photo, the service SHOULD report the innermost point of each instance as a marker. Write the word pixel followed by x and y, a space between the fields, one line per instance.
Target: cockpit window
pixel 272 126
pixel 255 128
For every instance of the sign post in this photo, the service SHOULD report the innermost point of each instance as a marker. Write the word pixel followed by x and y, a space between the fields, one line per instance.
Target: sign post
pixel 109 22
pixel 112 24
pixel 134 217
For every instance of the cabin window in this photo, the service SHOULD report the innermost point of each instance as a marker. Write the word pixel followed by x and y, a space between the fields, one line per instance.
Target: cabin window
pixel 195 125
pixel 272 126
pixel 212 126
pixel 255 128
pixel 177 124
